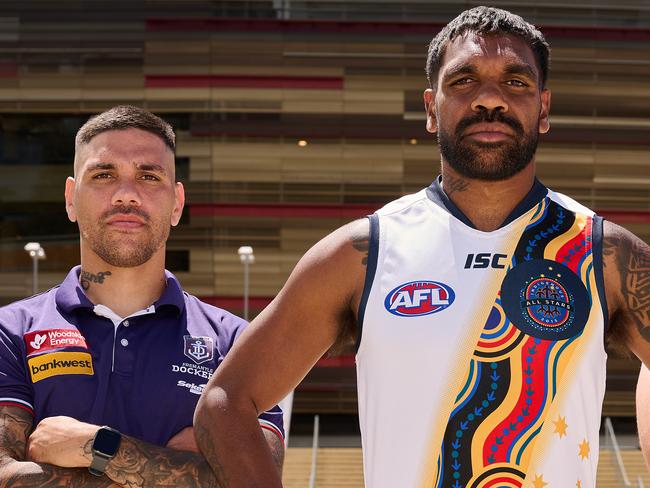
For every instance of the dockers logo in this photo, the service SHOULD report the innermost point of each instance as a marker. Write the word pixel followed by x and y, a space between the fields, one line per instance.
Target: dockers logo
pixel 198 349
pixel 60 363
pixel 418 298
pixel 50 339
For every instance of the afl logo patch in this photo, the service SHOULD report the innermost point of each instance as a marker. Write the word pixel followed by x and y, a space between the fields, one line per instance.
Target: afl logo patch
pixel 545 299
pixel 417 298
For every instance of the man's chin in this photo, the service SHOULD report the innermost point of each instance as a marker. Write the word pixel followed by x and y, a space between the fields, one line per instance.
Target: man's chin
pixel 488 170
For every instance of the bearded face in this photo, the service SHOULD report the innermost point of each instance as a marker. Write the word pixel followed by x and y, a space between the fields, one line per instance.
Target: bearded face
pixel 487 107
pixel 124 247
pixel 487 160
pixel 124 197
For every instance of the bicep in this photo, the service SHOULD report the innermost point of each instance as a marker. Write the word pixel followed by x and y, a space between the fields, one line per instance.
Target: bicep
pixel 15 426
pixel 627 284
pixel 299 326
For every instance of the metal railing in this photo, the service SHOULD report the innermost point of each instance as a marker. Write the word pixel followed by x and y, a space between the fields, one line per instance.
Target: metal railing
pixel 609 430
pixel 314 452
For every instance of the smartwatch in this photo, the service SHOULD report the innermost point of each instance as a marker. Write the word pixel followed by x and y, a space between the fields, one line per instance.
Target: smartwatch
pixel 105 446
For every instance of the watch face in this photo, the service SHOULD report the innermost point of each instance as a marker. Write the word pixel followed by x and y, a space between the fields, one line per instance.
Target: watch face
pixel 107 441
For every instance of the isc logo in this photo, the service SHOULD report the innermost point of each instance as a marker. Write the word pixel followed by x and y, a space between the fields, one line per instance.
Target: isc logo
pixel 485 260
pixel 418 298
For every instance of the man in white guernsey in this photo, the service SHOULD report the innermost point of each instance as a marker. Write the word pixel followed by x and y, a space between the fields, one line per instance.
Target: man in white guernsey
pixel 480 306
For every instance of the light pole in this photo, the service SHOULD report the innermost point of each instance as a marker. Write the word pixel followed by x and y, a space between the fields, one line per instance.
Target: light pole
pixel 247 258
pixel 36 252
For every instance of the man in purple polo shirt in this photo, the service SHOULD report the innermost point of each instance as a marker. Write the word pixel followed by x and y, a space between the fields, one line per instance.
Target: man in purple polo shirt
pixel 118 344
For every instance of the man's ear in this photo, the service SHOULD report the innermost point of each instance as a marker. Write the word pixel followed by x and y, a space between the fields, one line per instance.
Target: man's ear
pixel 69 199
pixel 544 123
pixel 179 203
pixel 429 108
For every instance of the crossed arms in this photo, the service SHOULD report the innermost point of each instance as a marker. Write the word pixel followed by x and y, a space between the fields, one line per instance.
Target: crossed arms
pixel 58 453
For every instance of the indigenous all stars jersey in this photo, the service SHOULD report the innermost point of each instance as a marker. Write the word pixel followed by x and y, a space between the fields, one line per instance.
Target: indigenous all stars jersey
pixel 481 360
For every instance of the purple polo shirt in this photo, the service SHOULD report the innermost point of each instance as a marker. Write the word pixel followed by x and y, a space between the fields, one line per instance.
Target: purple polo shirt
pixel 142 376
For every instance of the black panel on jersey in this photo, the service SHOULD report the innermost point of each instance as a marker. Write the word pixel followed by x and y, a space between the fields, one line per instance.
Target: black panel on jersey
pixel 371 269
pixel 534 240
pixel 597 253
pixel 494 382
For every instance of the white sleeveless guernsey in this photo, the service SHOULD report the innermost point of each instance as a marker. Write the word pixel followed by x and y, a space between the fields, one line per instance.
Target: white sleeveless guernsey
pixel 481 359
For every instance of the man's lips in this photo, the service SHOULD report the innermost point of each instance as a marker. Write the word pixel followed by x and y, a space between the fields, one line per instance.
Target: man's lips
pixel 125 222
pixel 488 132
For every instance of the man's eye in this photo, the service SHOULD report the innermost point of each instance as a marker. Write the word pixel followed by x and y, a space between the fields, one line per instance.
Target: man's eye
pixel 150 177
pixel 102 176
pixel 516 83
pixel 462 81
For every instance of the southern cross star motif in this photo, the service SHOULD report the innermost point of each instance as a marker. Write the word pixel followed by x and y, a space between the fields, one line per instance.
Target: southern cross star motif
pixel 560 426
pixel 539 482
pixel 583 449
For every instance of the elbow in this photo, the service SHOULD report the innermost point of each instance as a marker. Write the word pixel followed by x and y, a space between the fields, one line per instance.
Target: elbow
pixel 217 406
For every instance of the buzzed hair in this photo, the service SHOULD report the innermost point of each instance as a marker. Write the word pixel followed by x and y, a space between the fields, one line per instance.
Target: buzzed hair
pixel 126 117
pixel 488 20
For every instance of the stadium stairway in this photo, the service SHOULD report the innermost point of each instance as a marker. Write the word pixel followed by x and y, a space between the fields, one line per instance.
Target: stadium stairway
pixel 342 468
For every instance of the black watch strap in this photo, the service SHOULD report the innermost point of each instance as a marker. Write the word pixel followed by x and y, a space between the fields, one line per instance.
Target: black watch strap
pixel 99 463
pixel 104 448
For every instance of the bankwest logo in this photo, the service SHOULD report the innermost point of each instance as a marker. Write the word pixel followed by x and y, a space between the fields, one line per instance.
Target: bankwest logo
pixel 58 363
pixel 418 298
pixel 46 340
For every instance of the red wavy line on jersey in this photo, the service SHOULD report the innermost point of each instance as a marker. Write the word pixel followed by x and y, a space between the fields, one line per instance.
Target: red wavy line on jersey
pixel 576 240
pixel 502 480
pixel 539 386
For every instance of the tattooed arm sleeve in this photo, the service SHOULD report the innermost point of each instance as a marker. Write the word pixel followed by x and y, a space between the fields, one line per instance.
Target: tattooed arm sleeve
pixel 15 425
pixel 139 464
pixel 627 284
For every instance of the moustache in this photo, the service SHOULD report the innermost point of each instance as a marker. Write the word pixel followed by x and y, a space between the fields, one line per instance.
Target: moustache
pixel 491 116
pixel 124 210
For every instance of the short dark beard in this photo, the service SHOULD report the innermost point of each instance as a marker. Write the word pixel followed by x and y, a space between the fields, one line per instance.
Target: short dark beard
pixel 488 161
pixel 119 253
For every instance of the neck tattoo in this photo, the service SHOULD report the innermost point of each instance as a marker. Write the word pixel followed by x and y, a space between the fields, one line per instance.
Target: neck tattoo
pixel 86 278
pixel 453 184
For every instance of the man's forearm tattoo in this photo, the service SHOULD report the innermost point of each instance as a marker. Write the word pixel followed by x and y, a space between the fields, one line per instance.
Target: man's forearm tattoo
pixel 139 464
pixel 86 278
pixel 204 440
pixel 15 426
pixel 631 257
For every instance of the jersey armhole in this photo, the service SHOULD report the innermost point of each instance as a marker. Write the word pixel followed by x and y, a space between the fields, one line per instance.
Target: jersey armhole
pixel 597 251
pixel 371 268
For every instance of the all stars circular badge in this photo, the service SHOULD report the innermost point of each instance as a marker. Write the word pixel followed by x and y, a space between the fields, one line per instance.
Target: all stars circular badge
pixel 545 299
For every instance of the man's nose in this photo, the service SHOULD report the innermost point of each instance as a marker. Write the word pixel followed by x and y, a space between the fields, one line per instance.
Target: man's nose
pixel 489 98
pixel 127 194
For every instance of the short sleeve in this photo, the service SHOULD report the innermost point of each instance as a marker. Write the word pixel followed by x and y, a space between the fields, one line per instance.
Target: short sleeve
pixel 15 388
